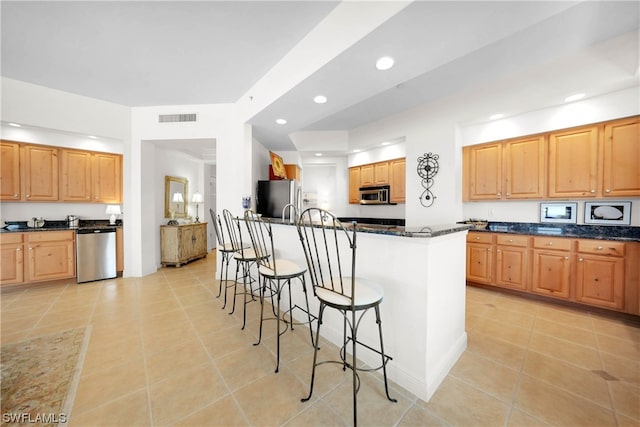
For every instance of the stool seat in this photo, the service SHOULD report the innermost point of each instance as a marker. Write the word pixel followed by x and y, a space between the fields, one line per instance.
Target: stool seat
pixel 284 267
pixel 367 294
pixel 246 255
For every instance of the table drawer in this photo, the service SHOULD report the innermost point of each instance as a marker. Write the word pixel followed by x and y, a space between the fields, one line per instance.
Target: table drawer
pixel 512 240
pixel 479 237
pixel 601 247
pixel 555 243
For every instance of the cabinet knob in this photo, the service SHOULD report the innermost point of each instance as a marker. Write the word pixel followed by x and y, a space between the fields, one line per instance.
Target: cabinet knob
pixel 18 249
pixel 593 191
pixel 15 196
pixel 498 194
pixel 489 249
pixel 607 191
pixel 511 240
pixel 30 249
pixel 28 195
pixel 477 238
pixel 508 194
pixel 580 259
pixel 550 244
pixel 599 248
pixel 566 257
pixel 499 250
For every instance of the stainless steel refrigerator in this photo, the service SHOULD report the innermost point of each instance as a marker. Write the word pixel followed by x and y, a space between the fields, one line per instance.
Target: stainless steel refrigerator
pixel 273 196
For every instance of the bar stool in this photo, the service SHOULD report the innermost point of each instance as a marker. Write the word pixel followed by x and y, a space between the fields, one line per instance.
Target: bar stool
pixel 245 257
pixel 276 274
pixel 327 247
pixel 226 250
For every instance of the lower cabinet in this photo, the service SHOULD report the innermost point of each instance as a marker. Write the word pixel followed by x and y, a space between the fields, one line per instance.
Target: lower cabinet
pixel 598 273
pixel 180 244
pixel 37 257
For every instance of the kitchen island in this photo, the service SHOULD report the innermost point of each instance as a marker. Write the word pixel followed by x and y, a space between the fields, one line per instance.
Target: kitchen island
pixel 422 273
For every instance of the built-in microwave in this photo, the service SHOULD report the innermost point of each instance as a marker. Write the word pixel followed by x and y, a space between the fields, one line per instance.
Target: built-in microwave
pixel 378 195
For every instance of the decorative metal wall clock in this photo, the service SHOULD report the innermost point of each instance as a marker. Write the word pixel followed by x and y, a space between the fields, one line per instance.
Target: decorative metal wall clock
pixel 427 169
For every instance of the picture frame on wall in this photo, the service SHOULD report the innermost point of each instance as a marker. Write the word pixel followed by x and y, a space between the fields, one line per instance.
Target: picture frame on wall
pixel 607 213
pixel 559 212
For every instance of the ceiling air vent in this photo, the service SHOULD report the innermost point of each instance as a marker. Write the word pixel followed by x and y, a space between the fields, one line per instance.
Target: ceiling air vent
pixel 172 118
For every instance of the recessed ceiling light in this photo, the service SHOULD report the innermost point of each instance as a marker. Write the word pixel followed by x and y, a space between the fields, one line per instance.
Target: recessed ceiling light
pixel 386 143
pixel 357 150
pixel 93 137
pixel 281 121
pixel 320 99
pixel 496 116
pixel 318 154
pixel 384 63
pixel 15 125
pixel 574 97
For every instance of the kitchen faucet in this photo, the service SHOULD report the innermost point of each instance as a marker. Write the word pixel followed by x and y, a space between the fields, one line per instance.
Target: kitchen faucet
pixel 295 212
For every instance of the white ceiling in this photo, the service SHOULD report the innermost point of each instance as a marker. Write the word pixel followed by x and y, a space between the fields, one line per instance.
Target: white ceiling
pixel 521 55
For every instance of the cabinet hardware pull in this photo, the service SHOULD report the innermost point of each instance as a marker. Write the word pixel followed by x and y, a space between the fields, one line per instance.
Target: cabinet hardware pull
pixel 599 248
pixel 580 259
pixel 593 191
pixel 566 257
pixel 511 240
pixel 607 191
pixel 18 249
pixel 550 244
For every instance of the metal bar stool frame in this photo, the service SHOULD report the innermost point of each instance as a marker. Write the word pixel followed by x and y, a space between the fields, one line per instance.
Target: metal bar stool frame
pixel 226 250
pixel 245 257
pixel 276 274
pixel 321 234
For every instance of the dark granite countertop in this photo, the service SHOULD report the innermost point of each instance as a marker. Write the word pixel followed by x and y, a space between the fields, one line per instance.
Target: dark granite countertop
pixel 383 226
pixel 58 225
pixel 601 232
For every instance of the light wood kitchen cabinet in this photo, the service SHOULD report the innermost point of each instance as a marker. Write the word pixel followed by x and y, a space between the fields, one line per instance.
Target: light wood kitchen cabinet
pixel 524 162
pixel 180 244
pixel 10 172
pixel 11 259
pixel 381 173
pixel 354 184
pixel 480 257
pixel 77 177
pixel 39 168
pixel 551 266
pixel 485 171
pixel 600 273
pixel 50 255
pixel 512 261
pixel 107 178
pixel 573 163
pixel 397 180
pixel 367 175
pixel 621 157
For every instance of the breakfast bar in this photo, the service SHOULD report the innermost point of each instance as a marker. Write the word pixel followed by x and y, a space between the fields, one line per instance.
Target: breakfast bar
pixel 422 273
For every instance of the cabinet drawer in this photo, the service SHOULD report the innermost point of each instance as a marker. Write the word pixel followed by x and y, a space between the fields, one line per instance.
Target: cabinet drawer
pixel 11 237
pixel 50 236
pixel 601 247
pixel 556 243
pixel 480 237
pixel 512 240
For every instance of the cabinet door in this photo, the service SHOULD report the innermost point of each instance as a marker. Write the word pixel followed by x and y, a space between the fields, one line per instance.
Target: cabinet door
pixel 511 267
pixel 187 243
pixel 119 250
pixel 573 163
pixel 49 260
pixel 200 234
pixel 381 173
pixel 479 262
pixel 551 273
pixel 621 158
pixel 397 180
pixel 600 280
pixel 10 172
pixel 40 172
pixel 11 263
pixel 77 179
pixel 485 172
pixel 366 175
pixel 524 161
pixel 354 184
pixel 107 181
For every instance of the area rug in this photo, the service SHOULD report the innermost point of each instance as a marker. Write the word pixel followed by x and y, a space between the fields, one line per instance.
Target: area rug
pixel 40 377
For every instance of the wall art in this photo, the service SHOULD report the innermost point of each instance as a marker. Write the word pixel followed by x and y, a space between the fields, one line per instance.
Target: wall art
pixel 427 169
pixel 607 213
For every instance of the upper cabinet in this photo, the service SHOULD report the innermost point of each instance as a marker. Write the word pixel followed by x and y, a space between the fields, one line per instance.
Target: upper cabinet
pixel 390 173
pixel 621 157
pixel 91 177
pixel 10 171
pixel 573 163
pixel 512 169
pixel 594 161
pixel 42 173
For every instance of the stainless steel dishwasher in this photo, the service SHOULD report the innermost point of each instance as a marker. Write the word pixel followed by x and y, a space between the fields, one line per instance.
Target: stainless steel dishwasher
pixel 95 254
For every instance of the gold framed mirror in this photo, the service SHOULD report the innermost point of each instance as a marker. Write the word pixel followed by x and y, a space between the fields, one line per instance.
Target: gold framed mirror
pixel 173 185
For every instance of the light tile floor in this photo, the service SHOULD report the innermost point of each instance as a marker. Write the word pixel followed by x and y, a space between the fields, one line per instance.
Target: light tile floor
pixel 163 353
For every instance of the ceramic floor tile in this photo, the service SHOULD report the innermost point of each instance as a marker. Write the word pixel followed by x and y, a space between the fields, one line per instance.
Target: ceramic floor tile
pixel 569 352
pixel 172 360
pixel 418 415
pixel 128 410
pixel 245 366
pixel 222 413
pixel 581 336
pixel 495 379
pixel 560 408
pixel 626 399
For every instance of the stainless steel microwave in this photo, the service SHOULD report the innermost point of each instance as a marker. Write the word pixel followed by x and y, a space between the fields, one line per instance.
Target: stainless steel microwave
pixel 378 195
